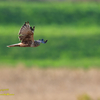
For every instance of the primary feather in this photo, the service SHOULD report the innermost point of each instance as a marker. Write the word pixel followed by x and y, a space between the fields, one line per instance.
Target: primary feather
pixel 26 36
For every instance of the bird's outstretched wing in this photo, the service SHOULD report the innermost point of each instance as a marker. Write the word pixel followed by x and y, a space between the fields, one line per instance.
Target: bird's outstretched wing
pixel 26 34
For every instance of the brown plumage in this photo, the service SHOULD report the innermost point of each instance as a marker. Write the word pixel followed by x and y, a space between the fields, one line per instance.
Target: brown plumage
pixel 26 36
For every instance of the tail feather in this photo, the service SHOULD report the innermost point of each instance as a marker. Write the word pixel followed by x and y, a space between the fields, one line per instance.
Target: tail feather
pixel 14 45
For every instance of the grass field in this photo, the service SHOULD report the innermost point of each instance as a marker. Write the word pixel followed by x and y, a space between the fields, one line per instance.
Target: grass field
pixel 43 13
pixel 67 46
pixel 72 30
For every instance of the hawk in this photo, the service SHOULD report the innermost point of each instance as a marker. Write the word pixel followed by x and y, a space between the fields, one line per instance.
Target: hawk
pixel 26 36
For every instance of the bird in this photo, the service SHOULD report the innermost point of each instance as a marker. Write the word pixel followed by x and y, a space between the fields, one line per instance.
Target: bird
pixel 26 36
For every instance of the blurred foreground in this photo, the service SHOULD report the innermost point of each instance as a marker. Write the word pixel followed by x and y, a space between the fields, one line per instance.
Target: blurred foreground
pixel 49 84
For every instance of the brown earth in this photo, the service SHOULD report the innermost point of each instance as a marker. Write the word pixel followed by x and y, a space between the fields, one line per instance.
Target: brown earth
pixel 48 84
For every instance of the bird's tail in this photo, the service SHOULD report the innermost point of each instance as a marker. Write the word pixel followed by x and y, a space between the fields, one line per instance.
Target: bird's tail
pixel 14 45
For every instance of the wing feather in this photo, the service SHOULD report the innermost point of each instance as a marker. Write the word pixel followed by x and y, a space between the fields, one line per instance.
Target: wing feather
pixel 26 33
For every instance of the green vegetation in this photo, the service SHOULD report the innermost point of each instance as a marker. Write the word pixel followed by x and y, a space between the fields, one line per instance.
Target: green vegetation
pixel 84 97
pixel 50 13
pixel 61 50
pixel 53 0
pixel 72 31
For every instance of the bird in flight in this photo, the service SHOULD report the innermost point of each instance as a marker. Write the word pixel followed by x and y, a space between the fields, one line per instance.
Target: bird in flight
pixel 26 36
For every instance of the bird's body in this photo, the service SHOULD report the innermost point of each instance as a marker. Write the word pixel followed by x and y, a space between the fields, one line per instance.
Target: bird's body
pixel 26 36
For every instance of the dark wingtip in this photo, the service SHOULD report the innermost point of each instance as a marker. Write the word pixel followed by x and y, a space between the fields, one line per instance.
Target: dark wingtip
pixel 32 28
pixel 26 23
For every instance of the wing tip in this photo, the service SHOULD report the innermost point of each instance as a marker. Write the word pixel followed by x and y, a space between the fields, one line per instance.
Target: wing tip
pixel 26 23
pixel 32 28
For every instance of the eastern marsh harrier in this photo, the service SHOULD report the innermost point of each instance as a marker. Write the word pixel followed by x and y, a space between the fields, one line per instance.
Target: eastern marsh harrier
pixel 26 36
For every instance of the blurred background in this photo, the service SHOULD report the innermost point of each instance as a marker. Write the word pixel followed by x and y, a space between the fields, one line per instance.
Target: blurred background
pixel 55 70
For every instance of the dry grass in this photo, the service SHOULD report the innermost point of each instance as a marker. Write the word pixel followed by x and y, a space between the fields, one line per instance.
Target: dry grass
pixel 49 84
